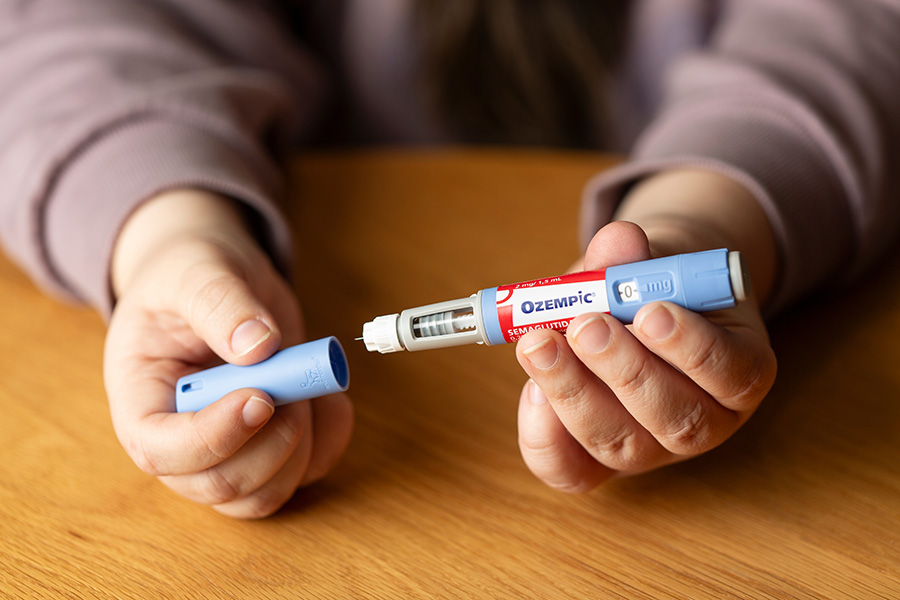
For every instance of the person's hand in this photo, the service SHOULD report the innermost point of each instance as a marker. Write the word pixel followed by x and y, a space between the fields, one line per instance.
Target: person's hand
pixel 190 301
pixel 609 399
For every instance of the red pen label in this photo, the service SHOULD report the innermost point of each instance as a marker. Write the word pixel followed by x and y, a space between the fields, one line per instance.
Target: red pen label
pixel 549 303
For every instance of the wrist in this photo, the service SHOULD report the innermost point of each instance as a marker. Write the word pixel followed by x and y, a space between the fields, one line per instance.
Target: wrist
pixel 169 218
pixel 690 210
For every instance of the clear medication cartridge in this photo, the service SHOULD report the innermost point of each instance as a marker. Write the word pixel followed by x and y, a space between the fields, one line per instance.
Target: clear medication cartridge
pixel 701 281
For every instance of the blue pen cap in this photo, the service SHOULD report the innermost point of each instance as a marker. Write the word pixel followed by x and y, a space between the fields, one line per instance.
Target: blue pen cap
pixel 297 373
pixel 701 281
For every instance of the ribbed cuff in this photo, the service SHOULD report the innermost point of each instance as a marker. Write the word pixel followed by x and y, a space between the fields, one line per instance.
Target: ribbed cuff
pixel 100 187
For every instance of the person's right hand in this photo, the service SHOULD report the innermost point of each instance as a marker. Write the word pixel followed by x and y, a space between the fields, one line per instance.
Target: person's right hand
pixel 184 304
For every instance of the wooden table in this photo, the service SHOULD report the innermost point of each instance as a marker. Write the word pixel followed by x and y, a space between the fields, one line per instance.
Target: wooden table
pixel 432 499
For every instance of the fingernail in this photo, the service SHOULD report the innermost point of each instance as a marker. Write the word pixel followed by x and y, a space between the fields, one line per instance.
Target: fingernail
pixel 592 335
pixel 658 324
pixel 256 412
pixel 248 335
pixel 536 397
pixel 542 355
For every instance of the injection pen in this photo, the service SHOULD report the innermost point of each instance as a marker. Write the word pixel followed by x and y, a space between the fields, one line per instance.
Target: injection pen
pixel 700 281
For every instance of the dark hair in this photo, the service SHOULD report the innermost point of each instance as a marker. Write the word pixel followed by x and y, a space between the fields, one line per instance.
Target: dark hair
pixel 521 71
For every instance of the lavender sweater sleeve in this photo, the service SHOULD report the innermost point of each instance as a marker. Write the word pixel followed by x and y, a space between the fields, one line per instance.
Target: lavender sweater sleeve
pixel 104 103
pixel 800 101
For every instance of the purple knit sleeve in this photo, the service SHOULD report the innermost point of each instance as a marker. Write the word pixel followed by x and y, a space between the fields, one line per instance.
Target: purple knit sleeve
pixel 799 102
pixel 105 103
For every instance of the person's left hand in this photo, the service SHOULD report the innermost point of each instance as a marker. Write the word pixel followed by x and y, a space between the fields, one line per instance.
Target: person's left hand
pixel 609 399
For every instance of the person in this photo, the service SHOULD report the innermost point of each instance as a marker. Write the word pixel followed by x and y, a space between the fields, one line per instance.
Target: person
pixel 140 148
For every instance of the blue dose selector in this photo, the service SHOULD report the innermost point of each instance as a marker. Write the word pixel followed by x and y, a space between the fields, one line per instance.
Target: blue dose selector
pixel 297 373
pixel 701 281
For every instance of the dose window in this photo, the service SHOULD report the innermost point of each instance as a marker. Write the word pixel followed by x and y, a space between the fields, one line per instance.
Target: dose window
pixel 628 291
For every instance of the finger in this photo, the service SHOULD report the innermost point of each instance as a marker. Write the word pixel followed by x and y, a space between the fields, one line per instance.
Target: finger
pixel 736 366
pixel 169 443
pixel 617 243
pixel 549 451
pixel 586 406
pixel 288 432
pixel 271 496
pixel 332 428
pixel 679 414
pixel 225 313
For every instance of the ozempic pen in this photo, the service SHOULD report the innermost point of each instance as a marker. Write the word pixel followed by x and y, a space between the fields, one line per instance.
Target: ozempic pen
pixel 701 281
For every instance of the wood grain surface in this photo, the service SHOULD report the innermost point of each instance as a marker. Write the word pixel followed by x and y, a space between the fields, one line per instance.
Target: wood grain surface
pixel 432 499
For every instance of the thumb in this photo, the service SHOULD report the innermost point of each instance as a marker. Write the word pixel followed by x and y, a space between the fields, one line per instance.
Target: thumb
pixel 617 243
pixel 166 443
pixel 227 315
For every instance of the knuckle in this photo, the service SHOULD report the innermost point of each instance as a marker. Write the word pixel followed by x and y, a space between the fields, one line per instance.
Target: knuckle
pixel 706 357
pixel 215 488
pixel 620 450
pixel 210 297
pixel 211 448
pixel 690 433
pixel 570 485
pixel 542 452
pixel 260 504
pixel 754 383
pixel 537 445
pixel 290 427
pixel 546 460
pixel 556 473
pixel 631 377
pixel 144 459
pixel 573 391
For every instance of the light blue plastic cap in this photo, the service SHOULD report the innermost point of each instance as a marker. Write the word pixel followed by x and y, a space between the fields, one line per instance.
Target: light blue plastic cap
pixel 297 373
pixel 701 282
